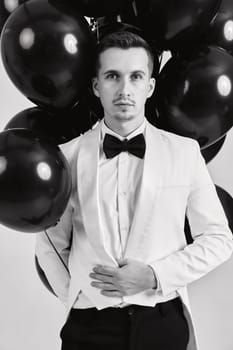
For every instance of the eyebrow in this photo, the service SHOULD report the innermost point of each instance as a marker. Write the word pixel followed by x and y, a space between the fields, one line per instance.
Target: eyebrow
pixel 112 71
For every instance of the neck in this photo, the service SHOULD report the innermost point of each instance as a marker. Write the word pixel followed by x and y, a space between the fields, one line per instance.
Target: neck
pixel 123 129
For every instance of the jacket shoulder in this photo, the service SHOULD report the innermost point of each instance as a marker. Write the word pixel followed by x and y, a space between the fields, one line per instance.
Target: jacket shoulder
pixel 178 149
pixel 70 149
pixel 172 137
pixel 177 142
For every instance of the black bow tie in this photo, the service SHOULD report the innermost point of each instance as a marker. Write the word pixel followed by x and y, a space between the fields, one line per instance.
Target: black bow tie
pixel 112 146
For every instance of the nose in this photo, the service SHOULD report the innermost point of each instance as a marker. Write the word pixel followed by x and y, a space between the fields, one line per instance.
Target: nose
pixel 124 88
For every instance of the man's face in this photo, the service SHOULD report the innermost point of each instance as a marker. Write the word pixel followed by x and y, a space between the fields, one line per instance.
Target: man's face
pixel 123 84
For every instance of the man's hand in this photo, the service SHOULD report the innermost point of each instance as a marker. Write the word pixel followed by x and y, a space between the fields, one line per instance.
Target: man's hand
pixel 131 277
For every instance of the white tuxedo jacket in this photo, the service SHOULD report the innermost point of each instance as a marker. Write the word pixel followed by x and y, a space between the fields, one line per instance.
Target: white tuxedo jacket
pixel 175 183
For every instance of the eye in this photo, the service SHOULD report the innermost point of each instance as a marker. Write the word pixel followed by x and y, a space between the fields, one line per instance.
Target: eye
pixel 136 76
pixel 112 76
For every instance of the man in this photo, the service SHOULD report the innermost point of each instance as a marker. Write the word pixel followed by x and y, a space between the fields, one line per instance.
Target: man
pixel 122 234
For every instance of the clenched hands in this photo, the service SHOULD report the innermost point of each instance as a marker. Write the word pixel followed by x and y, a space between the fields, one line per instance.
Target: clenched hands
pixel 131 277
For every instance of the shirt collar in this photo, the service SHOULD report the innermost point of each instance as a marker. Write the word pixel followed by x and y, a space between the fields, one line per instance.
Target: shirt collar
pixel 106 130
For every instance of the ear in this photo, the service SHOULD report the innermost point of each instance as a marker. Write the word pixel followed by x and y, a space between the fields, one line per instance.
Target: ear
pixel 151 87
pixel 95 86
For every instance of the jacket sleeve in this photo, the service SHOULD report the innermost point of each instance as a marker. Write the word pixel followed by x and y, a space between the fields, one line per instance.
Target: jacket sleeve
pixel 56 271
pixel 212 243
pixel 60 236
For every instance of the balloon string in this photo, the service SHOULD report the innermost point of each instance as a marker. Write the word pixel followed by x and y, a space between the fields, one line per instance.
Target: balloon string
pixel 97 31
pixel 135 8
pixel 55 249
pixel 160 60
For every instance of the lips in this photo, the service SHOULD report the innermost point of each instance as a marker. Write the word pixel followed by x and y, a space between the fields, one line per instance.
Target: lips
pixel 124 103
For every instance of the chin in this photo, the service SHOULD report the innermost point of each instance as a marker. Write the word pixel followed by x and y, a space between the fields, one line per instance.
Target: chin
pixel 124 117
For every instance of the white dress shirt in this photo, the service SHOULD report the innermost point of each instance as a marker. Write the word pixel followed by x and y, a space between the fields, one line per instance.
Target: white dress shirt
pixel 119 182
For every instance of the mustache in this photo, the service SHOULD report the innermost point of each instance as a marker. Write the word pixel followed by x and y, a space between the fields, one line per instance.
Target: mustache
pixel 124 100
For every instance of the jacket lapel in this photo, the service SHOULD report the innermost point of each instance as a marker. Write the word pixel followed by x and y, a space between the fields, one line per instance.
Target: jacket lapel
pixel 88 178
pixel 148 195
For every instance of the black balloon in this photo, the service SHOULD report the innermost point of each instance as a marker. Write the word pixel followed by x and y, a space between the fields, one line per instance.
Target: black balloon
pixel 47 50
pixel 176 23
pixel 106 26
pixel 220 29
pixel 35 181
pixel 59 128
pixel 89 100
pixel 227 203
pixel 126 15
pixel 43 277
pixel 194 95
pixel 100 8
pixel 6 8
pixel 210 152
pixel 187 231
pixel 151 112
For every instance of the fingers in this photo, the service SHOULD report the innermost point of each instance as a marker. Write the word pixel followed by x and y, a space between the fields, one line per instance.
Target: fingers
pixel 105 270
pixel 107 289
pixel 113 293
pixel 104 286
pixel 102 278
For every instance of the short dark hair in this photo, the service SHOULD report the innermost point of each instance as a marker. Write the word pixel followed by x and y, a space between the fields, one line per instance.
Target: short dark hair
pixel 123 40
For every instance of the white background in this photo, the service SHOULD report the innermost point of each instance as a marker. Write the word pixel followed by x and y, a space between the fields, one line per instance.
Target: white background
pixel 31 317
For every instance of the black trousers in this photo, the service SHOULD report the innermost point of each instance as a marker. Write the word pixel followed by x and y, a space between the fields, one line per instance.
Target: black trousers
pixel 134 327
